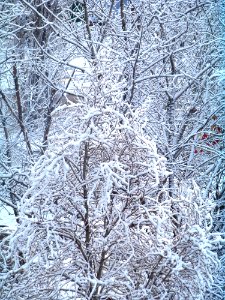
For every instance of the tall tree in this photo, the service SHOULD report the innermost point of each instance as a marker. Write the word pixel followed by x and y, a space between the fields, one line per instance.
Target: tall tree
pixel 122 59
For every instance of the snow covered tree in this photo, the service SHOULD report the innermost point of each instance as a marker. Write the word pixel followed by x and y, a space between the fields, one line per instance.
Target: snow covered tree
pixel 96 222
pixel 103 217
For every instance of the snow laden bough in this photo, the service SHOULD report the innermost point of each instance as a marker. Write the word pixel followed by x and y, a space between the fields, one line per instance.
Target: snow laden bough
pixel 97 221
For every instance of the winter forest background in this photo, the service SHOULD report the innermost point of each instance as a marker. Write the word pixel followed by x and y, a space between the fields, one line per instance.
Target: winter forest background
pixel 112 150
